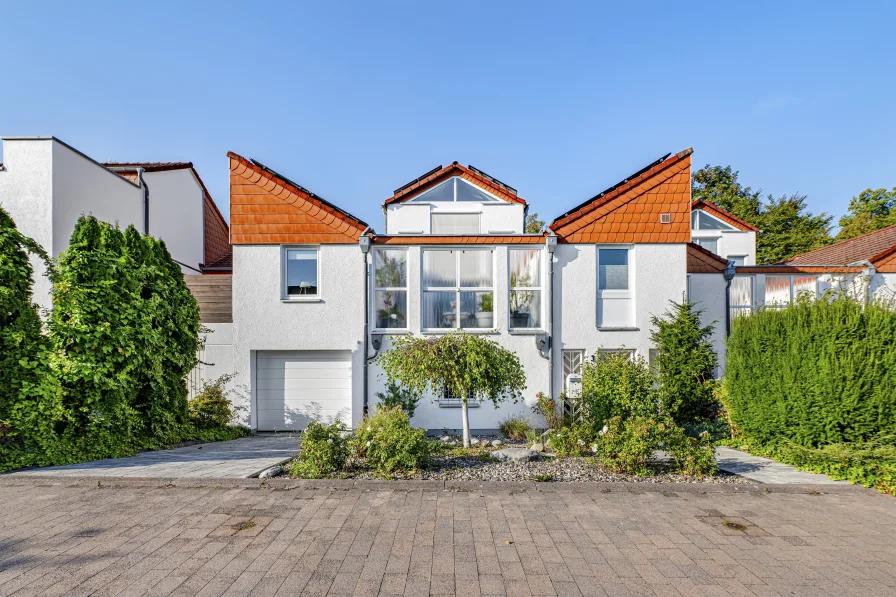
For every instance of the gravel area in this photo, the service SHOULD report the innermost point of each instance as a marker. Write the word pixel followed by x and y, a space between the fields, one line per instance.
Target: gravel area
pixel 481 467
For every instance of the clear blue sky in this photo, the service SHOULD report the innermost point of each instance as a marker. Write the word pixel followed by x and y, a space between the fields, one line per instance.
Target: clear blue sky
pixel 558 100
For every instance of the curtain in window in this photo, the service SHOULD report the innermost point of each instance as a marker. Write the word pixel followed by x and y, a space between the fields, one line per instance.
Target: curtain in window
pixel 458 289
pixel 391 282
pixel 525 288
pixel 455 224
pixel 613 265
pixel 777 291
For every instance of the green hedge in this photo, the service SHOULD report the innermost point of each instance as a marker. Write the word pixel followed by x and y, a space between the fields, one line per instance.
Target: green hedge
pixel 816 373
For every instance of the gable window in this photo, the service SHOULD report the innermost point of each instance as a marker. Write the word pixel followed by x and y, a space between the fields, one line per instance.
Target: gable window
pixel 700 220
pixel 391 288
pixel 455 189
pixel 301 273
pixel 614 296
pixel 525 288
pixel 455 223
pixel 458 289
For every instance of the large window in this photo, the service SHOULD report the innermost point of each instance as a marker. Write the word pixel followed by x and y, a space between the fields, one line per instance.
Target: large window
pixel 391 288
pixel 780 291
pixel 614 294
pixel 452 190
pixel 301 273
pixel 525 288
pixel 458 289
pixel 701 220
pixel 455 223
pixel 741 298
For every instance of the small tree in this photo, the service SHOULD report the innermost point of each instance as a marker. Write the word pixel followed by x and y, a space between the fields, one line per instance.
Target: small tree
pixel 685 363
pixel 534 225
pixel 466 365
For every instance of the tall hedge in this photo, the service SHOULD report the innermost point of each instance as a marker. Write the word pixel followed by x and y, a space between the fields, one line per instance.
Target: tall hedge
pixel 815 373
pixel 127 327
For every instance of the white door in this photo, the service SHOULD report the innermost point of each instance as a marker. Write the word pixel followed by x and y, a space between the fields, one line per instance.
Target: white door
pixel 294 387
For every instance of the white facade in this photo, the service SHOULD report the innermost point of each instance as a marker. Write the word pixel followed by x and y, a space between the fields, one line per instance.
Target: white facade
pixel 722 238
pixel 176 214
pixel 707 292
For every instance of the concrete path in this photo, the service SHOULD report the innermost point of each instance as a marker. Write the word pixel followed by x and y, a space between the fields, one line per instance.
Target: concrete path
pixel 764 470
pixel 243 539
pixel 239 458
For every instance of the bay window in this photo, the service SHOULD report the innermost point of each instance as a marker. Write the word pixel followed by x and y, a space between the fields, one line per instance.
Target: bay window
pixel 391 288
pixel 525 288
pixel 458 289
pixel 614 296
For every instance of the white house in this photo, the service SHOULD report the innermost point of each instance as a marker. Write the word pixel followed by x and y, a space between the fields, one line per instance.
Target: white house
pixel 723 233
pixel 317 293
pixel 46 185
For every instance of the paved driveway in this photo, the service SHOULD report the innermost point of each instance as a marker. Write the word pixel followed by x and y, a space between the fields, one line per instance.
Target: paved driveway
pixel 310 538
pixel 239 458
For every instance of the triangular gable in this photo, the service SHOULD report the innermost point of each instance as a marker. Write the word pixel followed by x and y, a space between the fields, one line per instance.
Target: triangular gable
pixel 631 211
pixel 267 208
pixel 470 174
pixel 727 217
pixel 703 261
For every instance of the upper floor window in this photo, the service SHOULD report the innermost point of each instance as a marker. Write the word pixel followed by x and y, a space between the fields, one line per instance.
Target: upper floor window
pixel 301 273
pixel 455 223
pixel 614 294
pixel 458 289
pixel 455 189
pixel 710 244
pixel 525 288
pixel 391 288
pixel 701 220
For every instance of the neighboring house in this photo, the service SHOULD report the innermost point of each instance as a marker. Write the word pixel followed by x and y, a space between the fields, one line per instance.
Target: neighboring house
pixel 317 292
pixel 723 233
pixel 46 185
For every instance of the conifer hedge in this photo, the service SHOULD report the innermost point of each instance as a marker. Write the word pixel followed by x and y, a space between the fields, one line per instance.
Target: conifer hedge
pixel 816 373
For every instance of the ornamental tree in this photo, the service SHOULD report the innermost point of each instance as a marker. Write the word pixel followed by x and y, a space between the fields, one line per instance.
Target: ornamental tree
pixel 464 364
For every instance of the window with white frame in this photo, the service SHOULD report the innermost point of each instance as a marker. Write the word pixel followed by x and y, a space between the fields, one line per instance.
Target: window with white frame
pixel 700 220
pixel 301 273
pixel 606 352
pixel 458 289
pixel 525 288
pixel 390 288
pixel 780 291
pixel 738 259
pixel 741 296
pixel 454 223
pixel 710 244
pixel 455 189
pixel 614 295
pixel 447 399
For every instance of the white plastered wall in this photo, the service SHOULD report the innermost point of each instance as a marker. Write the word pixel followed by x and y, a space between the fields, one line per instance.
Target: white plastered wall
pixel 416 218
pixel 707 292
pixel 732 243
pixel 176 215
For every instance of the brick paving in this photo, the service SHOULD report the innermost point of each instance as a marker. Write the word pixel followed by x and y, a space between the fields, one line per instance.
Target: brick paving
pixel 134 537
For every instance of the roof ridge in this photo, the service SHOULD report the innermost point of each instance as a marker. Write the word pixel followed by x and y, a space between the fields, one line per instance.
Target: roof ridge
pixel 726 213
pixel 841 242
pixel 491 184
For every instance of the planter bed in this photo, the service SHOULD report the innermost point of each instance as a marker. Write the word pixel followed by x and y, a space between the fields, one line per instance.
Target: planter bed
pixel 476 464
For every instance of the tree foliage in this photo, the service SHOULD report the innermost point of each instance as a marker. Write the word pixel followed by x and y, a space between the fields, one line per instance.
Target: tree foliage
pixel 787 227
pixel 616 385
pixel 815 373
pixel 464 364
pixel 685 363
pixel 533 224
pixel 870 210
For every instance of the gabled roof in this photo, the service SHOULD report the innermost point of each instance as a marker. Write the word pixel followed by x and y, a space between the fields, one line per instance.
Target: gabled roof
pixel 268 208
pixel 460 239
pixel 469 173
pixel 727 217
pixel 874 246
pixel 630 210
pixel 704 261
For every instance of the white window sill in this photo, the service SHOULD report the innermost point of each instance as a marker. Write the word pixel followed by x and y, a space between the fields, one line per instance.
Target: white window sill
pixel 479 331
pixel 525 331
pixel 296 299
pixel 391 331
pixel 618 329
pixel 458 405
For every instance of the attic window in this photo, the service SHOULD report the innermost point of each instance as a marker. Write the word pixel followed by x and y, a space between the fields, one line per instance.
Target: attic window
pixel 455 189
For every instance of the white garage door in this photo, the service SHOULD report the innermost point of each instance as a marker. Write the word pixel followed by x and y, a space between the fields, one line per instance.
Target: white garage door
pixel 294 387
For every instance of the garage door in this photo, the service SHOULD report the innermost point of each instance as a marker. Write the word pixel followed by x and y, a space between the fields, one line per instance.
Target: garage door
pixel 294 387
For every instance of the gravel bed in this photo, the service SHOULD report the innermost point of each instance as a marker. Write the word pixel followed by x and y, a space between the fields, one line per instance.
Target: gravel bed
pixel 478 467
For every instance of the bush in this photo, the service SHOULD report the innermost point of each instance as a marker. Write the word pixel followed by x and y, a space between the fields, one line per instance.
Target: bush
pixel 685 364
pixel 815 373
pixel 572 440
pixel 872 464
pixel 397 396
pixel 515 428
pixel 691 455
pixel 212 407
pixel 390 444
pixel 616 386
pixel 627 445
pixel 547 408
pixel 324 450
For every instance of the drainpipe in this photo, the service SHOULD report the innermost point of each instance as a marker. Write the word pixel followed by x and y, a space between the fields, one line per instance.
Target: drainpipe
pixel 551 245
pixel 143 185
pixel 364 242
pixel 728 273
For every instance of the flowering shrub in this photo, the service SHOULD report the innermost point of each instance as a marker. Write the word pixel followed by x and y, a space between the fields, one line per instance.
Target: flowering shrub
pixel 628 444
pixel 570 441
pixel 323 450
pixel 693 456
pixel 390 444
pixel 616 386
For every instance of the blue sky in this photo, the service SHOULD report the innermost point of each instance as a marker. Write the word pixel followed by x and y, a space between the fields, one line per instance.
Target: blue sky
pixel 559 100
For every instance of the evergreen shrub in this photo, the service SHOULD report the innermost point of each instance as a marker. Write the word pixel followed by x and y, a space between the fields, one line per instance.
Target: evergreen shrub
pixel 324 450
pixel 390 444
pixel 616 386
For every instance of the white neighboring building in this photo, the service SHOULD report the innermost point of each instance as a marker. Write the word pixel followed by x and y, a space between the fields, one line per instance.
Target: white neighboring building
pixel 317 293
pixel 46 185
pixel 723 233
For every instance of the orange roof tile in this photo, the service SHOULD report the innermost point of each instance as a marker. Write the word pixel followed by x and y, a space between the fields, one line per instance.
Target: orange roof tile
pixel 469 173
pixel 267 208
pixel 874 246
pixel 703 261
pixel 631 210
pixel 715 210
